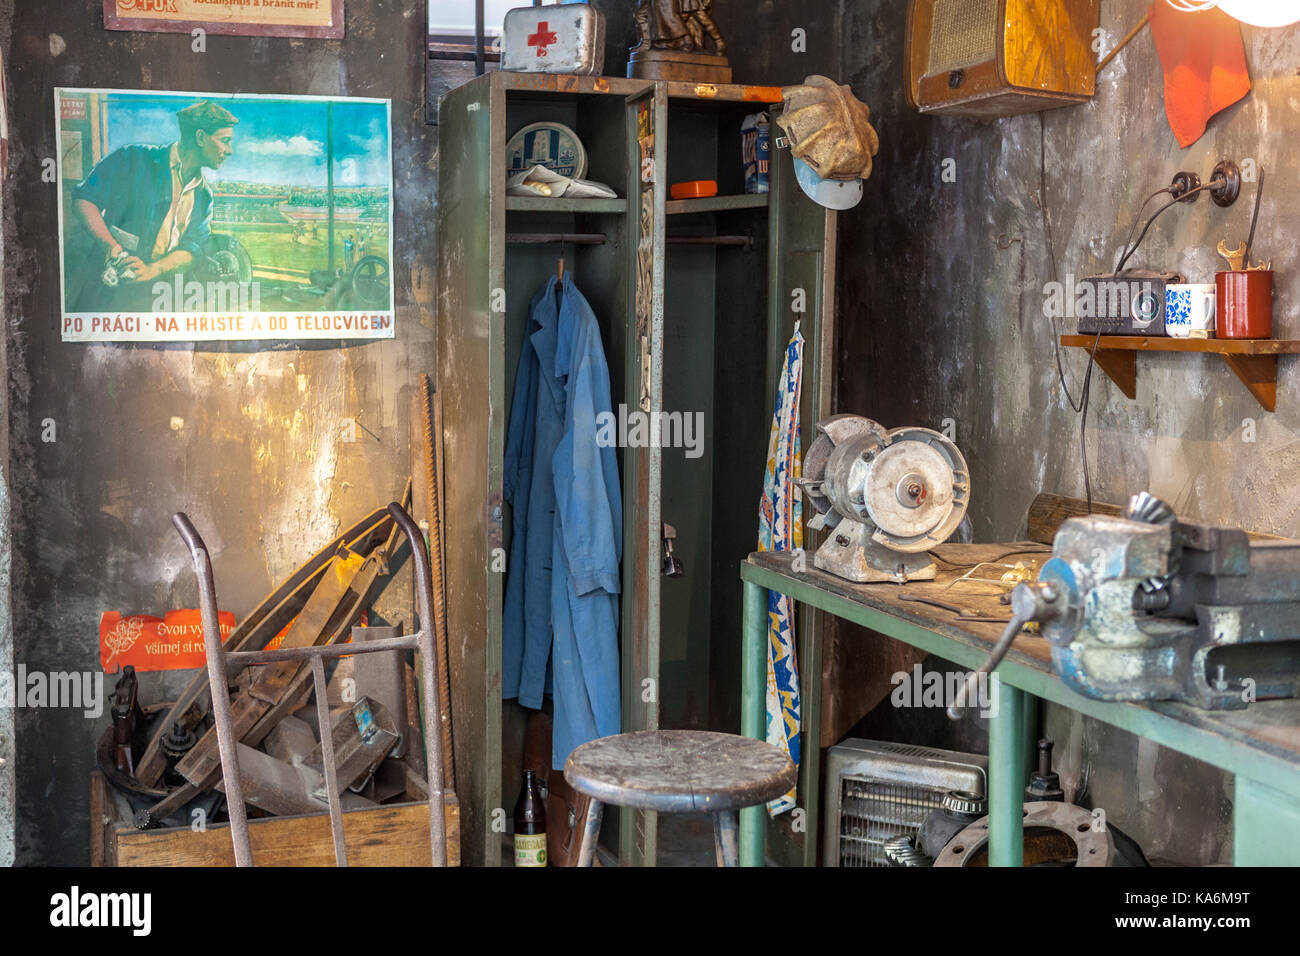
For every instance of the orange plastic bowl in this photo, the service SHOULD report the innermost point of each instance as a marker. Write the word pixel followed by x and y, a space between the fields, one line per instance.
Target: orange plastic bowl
pixel 695 189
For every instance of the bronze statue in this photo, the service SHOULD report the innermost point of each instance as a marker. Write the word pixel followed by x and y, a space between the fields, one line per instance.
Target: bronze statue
pixel 673 42
pixel 677 25
pixel 699 22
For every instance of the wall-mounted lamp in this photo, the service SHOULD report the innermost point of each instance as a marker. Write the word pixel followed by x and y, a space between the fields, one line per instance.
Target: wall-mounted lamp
pixel 1258 13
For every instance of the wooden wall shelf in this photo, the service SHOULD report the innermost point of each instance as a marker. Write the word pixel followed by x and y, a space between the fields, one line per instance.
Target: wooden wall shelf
pixel 1253 360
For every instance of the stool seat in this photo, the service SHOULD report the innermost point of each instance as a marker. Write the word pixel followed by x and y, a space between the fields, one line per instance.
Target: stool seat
pixel 680 771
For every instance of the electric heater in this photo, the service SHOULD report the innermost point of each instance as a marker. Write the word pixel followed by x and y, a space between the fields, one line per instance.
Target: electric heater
pixel 876 790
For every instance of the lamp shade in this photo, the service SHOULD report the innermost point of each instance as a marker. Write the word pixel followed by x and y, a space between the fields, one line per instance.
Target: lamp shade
pixel 1263 13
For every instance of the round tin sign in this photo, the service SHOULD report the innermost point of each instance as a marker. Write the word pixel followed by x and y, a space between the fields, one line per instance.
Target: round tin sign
pixel 552 145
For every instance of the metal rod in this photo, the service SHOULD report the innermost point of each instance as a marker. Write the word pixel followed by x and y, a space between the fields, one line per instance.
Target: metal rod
pixel 447 52
pixel 432 709
pixel 753 711
pixel 599 238
pixel 433 487
pixel 217 681
pixel 1007 771
pixel 573 238
pixel 590 832
pixel 1254 219
pixel 724 838
pixel 1124 42
pixel 745 241
pixel 967 689
pixel 480 38
pixel 327 759
pixel 408 643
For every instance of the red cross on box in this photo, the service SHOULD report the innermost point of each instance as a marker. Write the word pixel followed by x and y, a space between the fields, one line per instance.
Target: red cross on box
pixel 542 38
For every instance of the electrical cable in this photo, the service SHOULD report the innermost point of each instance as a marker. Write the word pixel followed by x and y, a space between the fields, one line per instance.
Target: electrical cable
pixel 1130 247
pixel 1137 219
pixel 1051 255
pixel 1169 205
pixel 1041 549
pixel 1092 353
pixel 1083 420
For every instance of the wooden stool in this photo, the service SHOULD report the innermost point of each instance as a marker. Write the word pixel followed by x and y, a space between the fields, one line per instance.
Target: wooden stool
pixel 678 771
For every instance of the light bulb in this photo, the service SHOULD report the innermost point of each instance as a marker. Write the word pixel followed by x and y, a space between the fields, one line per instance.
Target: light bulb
pixel 1263 13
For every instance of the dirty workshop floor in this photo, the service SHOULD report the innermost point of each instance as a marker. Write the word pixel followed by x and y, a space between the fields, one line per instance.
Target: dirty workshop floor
pixel 685 839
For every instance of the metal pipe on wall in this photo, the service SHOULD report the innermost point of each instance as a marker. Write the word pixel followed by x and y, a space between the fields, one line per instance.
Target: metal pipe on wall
pixel 571 238
pixel 479 38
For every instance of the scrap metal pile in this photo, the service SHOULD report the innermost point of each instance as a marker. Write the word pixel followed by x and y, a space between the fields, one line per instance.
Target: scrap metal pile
pixel 164 759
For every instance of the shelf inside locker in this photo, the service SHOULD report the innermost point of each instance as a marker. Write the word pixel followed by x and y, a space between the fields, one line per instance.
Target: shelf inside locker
pixel 677 207
pixel 546 204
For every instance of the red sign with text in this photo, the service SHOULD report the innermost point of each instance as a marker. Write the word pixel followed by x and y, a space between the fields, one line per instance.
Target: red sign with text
pixel 173 642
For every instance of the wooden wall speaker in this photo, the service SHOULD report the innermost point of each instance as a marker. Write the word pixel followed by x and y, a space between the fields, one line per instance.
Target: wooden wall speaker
pixel 991 58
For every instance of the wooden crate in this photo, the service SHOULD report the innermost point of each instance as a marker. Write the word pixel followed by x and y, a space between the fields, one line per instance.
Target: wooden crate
pixel 390 835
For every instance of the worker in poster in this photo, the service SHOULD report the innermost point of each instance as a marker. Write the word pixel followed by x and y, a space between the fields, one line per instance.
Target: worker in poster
pixel 158 229
pixel 147 211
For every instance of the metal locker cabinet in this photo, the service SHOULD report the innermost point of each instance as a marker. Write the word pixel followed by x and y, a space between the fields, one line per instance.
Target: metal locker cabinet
pixel 484 285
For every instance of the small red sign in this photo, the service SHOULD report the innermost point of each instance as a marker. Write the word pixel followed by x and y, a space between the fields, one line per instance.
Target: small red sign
pixel 72 108
pixel 173 642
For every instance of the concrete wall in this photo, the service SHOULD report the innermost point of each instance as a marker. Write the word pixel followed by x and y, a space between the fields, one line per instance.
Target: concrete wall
pixel 938 322
pixel 8 796
pixel 256 459
pixel 935 322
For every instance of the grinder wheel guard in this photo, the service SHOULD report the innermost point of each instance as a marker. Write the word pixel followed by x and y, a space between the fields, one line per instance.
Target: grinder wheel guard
pixel 887 496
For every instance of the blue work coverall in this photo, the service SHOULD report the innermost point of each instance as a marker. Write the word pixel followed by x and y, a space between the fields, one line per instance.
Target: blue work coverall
pixel 560 628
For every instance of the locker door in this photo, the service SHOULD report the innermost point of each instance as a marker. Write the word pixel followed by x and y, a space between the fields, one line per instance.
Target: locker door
pixel 642 467
pixel 801 277
pixel 471 381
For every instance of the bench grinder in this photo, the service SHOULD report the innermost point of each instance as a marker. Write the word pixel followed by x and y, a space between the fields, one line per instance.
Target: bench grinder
pixel 886 496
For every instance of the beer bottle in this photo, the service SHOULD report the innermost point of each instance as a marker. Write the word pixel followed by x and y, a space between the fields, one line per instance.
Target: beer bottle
pixel 530 824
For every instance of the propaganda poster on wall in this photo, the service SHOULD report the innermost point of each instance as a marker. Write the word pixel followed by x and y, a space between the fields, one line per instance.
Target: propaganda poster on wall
pixel 188 217
pixel 283 18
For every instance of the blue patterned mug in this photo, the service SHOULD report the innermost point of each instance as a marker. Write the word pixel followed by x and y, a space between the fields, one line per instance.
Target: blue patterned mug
pixel 1189 307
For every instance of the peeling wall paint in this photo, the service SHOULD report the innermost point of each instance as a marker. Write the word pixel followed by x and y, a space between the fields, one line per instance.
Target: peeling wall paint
pixel 935 322
pixel 247 438
pixel 944 324
pixel 243 438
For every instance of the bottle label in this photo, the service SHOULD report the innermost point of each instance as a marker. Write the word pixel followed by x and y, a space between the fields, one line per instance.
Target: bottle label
pixel 530 849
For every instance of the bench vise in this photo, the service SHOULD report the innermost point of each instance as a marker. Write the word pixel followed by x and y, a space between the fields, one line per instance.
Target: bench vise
pixel 1146 607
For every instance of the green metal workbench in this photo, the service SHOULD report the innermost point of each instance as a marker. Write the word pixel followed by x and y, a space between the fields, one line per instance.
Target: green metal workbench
pixel 1259 745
